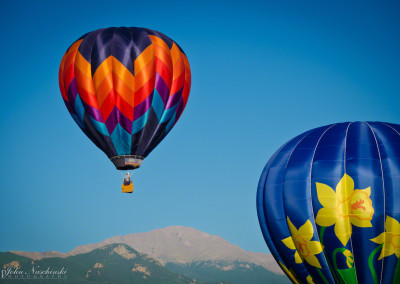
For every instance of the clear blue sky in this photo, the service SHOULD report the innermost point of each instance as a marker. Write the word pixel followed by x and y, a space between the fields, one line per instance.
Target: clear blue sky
pixel 262 73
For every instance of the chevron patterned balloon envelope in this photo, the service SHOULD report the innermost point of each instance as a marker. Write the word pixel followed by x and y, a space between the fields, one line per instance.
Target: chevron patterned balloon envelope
pixel 125 88
pixel 328 202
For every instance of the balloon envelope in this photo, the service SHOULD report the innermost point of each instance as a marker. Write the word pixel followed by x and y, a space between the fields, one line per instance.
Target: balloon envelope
pixel 125 88
pixel 328 203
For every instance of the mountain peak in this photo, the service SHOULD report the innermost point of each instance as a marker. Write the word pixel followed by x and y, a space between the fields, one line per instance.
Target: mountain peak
pixel 174 244
pixel 184 244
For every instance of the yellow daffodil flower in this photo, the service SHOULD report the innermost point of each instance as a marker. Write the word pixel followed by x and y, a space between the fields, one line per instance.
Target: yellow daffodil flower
pixel 301 242
pixel 390 239
pixel 344 207
pixel 349 258
pixel 290 244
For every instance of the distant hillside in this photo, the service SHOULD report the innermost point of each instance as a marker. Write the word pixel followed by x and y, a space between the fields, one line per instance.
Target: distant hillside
pixel 176 244
pixel 115 263
pixel 184 251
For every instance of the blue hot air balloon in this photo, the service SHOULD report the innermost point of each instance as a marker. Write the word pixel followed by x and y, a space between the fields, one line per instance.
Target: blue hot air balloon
pixel 328 203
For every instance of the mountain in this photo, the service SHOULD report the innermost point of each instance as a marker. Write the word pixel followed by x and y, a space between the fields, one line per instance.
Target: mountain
pixel 190 252
pixel 115 263
pixel 185 244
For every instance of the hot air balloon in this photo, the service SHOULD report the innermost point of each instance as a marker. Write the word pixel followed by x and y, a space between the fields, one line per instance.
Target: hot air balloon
pixel 328 203
pixel 125 88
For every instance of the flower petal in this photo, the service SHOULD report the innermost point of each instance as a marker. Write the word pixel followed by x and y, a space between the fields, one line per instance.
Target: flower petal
pixel 326 217
pixel 315 247
pixel 360 208
pixel 392 225
pixel 396 240
pixel 382 255
pixel 379 239
pixel 289 243
pixel 297 257
pixel 343 230
pixel 360 223
pixel 347 253
pixel 349 258
pixel 307 230
pixel 292 228
pixel 326 195
pixel 344 188
pixel 366 190
pixel 313 260
pixel 386 251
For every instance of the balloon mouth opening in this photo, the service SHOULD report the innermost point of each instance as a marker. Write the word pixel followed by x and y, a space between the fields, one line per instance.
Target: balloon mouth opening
pixel 127 162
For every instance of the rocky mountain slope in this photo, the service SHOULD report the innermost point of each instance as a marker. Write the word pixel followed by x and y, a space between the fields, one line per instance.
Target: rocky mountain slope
pixel 114 263
pixel 175 244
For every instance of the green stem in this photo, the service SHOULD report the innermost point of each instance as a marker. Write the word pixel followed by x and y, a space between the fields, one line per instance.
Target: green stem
pixel 322 275
pixel 371 262
pixel 334 256
pixel 321 238
pixel 321 235
pixel 396 278
pixel 335 263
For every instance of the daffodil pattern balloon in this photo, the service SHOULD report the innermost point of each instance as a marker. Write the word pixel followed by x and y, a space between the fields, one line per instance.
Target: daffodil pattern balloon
pixel 328 202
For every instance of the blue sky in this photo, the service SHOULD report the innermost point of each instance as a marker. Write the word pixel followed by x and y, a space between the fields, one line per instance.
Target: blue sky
pixel 262 73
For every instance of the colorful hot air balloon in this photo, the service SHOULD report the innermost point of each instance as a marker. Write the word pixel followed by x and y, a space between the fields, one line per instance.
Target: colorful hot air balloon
pixel 125 88
pixel 328 203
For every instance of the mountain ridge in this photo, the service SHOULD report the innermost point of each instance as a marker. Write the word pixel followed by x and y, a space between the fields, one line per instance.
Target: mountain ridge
pixel 174 244
pixel 113 263
pixel 119 263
